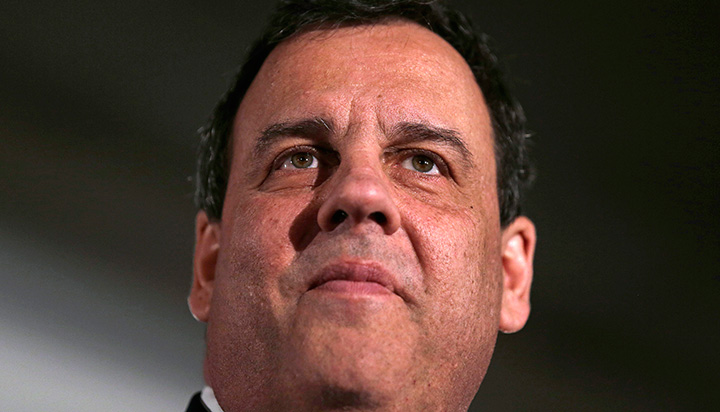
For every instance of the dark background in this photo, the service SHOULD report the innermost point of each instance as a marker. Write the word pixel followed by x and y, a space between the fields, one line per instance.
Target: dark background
pixel 99 104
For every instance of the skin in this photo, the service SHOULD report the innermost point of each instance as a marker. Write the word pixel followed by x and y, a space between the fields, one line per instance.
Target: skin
pixel 293 322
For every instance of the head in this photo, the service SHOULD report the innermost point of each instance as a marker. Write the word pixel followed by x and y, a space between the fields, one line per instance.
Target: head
pixel 359 242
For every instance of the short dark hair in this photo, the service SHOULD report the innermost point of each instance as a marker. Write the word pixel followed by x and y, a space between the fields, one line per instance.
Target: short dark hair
pixel 296 16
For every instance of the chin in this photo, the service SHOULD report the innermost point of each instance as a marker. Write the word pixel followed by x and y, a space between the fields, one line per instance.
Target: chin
pixel 338 367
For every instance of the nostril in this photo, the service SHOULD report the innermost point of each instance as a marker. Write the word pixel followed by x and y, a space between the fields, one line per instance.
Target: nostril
pixel 338 217
pixel 379 218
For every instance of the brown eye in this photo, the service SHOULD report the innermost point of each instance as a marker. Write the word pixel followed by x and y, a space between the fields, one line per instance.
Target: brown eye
pixel 300 160
pixel 421 163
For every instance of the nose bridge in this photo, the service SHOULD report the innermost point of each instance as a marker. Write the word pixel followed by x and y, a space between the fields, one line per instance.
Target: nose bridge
pixel 362 182
pixel 359 194
pixel 361 165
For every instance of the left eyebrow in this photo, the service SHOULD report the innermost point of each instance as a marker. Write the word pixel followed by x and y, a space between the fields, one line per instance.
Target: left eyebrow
pixel 316 127
pixel 411 132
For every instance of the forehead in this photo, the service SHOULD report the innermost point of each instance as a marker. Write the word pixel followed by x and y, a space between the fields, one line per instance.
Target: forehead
pixel 394 71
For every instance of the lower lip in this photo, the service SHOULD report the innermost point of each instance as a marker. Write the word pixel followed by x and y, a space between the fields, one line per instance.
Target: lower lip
pixel 350 287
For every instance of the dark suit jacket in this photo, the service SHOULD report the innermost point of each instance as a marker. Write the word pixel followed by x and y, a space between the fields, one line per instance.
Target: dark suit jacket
pixel 196 404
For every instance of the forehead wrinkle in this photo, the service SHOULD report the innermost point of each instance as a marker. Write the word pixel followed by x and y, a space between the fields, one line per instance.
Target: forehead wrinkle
pixel 333 82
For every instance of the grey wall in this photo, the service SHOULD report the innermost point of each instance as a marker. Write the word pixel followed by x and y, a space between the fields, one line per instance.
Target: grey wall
pixel 99 103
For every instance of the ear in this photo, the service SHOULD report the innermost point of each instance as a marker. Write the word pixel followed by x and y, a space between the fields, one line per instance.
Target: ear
pixel 207 245
pixel 518 248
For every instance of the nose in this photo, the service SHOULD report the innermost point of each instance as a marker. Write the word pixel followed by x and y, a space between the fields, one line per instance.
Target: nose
pixel 359 197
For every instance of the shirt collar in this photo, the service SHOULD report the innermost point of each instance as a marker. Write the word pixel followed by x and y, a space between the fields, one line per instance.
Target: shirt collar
pixel 208 397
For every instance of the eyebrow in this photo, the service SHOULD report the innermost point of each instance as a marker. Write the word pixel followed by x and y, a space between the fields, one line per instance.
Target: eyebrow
pixel 400 133
pixel 411 132
pixel 317 128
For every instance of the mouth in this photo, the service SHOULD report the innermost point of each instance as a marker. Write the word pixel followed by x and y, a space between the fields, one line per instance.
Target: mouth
pixel 354 279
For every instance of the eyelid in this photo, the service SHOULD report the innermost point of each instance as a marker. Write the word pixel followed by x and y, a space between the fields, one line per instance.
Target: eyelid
pixel 441 164
pixel 322 155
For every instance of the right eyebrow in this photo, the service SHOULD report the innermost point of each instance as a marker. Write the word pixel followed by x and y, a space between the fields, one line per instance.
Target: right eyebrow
pixel 316 128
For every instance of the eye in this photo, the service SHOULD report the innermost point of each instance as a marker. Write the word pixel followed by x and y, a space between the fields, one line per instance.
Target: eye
pixel 300 160
pixel 421 163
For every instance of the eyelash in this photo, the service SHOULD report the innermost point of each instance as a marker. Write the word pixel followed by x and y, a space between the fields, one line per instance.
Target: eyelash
pixel 403 154
pixel 442 166
pixel 285 155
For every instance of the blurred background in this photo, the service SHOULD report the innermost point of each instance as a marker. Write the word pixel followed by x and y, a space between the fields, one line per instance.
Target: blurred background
pixel 99 106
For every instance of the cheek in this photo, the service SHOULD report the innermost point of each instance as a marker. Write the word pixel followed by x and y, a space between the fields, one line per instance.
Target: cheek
pixel 251 262
pixel 256 249
pixel 258 232
pixel 459 251
pixel 452 241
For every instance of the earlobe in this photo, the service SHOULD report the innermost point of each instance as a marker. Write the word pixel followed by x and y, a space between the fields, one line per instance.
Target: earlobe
pixel 207 246
pixel 518 248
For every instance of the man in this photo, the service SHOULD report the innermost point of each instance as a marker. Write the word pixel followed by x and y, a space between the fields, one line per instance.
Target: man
pixel 359 243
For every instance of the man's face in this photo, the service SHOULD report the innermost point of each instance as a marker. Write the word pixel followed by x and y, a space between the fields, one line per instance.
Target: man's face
pixel 359 256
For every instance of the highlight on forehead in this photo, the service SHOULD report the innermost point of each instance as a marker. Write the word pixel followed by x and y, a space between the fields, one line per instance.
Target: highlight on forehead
pixel 402 33
pixel 324 31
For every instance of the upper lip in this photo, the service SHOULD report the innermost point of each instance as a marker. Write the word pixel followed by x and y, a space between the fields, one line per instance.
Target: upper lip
pixel 357 271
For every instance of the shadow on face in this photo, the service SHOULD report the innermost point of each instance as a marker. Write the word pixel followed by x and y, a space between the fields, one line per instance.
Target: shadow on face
pixel 360 263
